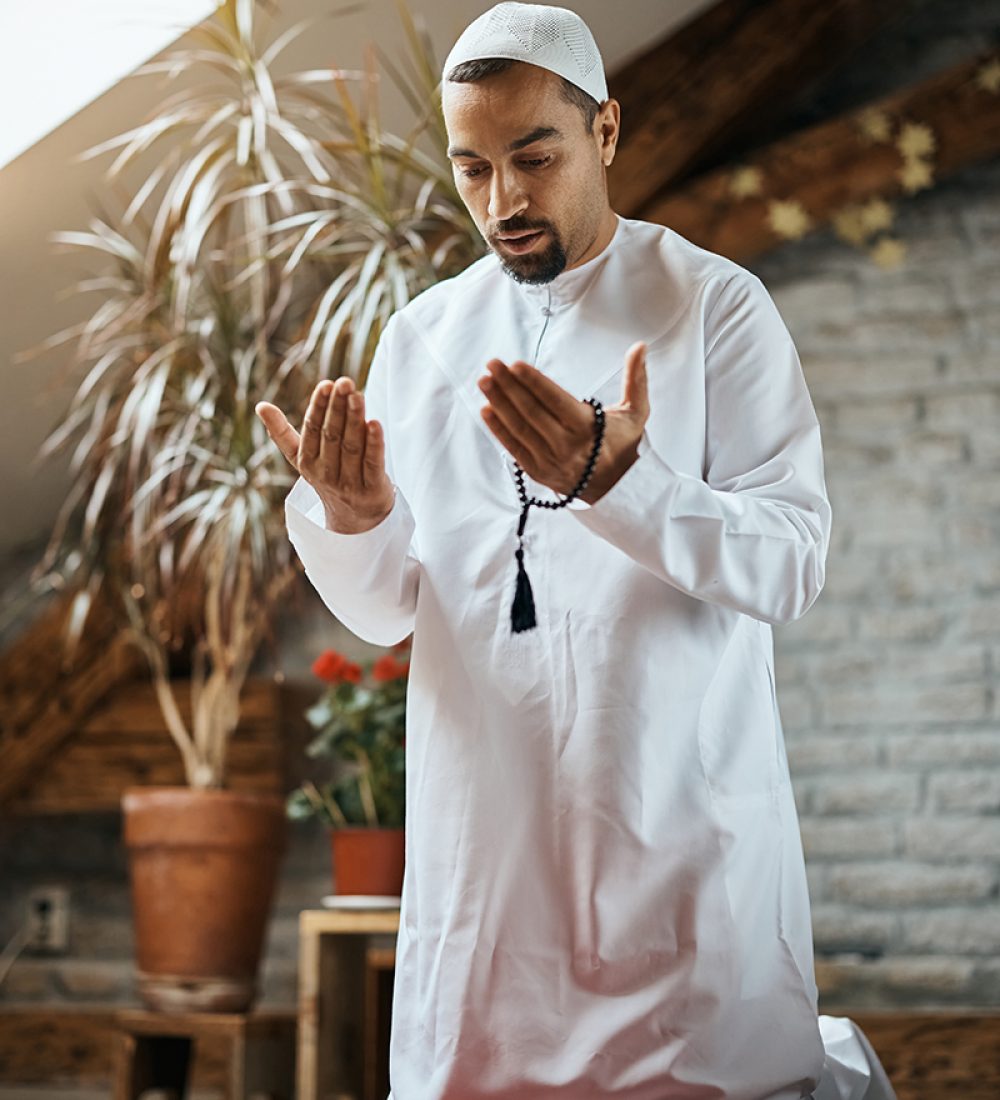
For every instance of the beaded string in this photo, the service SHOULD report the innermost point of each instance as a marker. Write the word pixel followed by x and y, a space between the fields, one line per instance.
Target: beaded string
pixel 522 611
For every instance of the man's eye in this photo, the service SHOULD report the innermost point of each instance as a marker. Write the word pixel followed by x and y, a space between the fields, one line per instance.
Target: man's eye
pixel 536 162
pixel 471 173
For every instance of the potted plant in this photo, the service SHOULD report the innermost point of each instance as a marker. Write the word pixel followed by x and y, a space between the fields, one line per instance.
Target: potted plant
pixel 360 729
pixel 273 229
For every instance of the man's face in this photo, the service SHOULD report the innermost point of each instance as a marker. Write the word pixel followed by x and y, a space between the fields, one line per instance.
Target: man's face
pixel 530 174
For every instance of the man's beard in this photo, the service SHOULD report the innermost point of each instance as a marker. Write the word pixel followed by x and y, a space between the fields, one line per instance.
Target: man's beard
pixel 533 267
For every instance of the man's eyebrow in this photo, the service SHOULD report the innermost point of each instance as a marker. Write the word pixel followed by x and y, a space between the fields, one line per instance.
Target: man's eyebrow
pixel 540 133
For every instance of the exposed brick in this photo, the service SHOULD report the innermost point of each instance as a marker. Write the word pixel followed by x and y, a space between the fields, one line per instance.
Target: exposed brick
pixel 931 449
pixel 953 838
pixel 980 619
pixel 958 411
pixel 850 982
pixel 878 417
pixel 882 375
pixel 894 883
pixel 892 705
pixel 839 928
pixel 968 791
pixel 812 298
pixel 842 454
pixel 957 747
pixel 851 838
pixel 864 793
pixel 866 663
pixel 919 332
pixel 796 708
pixel 961 931
pixel 908 294
pixel 918 624
pixel 811 753
pixel 823 624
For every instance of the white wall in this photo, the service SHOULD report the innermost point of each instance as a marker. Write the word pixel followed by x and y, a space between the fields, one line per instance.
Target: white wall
pixel 42 191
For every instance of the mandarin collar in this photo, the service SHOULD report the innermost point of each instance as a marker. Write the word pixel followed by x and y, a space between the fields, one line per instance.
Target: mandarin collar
pixel 569 286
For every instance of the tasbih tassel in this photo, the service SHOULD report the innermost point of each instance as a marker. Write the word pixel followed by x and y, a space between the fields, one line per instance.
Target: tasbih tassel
pixel 522 610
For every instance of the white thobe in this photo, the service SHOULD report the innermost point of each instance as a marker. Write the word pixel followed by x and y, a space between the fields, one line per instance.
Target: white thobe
pixel 605 893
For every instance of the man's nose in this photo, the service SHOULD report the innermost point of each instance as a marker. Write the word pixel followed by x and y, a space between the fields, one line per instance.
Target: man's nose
pixel 507 196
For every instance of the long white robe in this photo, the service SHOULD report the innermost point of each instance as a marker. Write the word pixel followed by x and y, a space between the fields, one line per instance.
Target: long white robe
pixel 605 893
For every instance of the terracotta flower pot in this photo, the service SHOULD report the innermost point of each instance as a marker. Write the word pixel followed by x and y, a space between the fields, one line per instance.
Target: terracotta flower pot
pixel 203 867
pixel 367 861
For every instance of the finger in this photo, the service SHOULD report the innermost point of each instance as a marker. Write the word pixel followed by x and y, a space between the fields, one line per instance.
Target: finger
pixel 513 382
pixel 313 425
pixel 511 442
pixel 352 446
pixel 561 405
pixel 635 392
pixel 521 413
pixel 333 429
pixel 284 436
pixel 373 466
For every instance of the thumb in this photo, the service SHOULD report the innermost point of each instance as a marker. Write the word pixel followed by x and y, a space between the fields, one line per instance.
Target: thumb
pixel 281 432
pixel 635 392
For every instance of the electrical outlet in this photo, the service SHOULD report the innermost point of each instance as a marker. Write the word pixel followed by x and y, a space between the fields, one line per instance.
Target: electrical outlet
pixel 48 920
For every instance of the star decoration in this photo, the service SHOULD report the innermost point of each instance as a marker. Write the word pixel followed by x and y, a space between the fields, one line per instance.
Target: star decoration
pixel 988 77
pixel 848 224
pixel 875 125
pixel 788 218
pixel 916 174
pixel 889 252
pixel 916 140
pixel 875 215
pixel 746 181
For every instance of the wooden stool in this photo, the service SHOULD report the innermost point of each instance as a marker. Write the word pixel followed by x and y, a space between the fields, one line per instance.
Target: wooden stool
pixel 153 1050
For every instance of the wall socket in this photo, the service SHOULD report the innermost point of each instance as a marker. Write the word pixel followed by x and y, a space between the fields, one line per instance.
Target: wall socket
pixel 48 920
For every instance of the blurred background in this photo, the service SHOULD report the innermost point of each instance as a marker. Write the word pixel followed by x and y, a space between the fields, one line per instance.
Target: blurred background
pixel 850 158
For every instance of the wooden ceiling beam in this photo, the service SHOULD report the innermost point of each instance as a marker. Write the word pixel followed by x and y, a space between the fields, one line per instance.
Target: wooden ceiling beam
pixel 44 700
pixel 730 71
pixel 837 164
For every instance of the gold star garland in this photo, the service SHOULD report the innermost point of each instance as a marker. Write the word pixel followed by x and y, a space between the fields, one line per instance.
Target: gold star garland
pixel 860 224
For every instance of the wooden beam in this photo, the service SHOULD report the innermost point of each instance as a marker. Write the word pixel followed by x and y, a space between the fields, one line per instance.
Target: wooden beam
pixel 124 743
pixel 730 72
pixel 810 178
pixel 43 699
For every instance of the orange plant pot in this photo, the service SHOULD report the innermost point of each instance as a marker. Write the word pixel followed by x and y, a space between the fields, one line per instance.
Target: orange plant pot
pixel 368 861
pixel 203 867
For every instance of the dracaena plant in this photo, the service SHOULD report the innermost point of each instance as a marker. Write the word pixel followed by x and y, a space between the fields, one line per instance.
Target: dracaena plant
pixel 274 229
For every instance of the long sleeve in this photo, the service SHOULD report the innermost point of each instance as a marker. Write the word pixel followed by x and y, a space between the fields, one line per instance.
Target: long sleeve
pixel 751 535
pixel 368 580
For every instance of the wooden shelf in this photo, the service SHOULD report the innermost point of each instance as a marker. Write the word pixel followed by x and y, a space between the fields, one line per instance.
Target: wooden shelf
pixel 344 957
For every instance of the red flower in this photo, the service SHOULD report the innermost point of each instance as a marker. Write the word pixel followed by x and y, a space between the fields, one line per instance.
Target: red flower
pixel 335 668
pixel 388 668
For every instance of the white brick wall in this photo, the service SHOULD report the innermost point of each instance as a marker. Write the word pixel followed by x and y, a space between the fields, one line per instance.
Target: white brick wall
pixel 888 687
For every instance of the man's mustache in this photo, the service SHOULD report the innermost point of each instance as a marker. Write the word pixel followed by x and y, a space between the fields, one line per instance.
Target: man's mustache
pixel 517 225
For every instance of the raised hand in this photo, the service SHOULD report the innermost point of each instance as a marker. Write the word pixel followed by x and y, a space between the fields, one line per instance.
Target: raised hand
pixel 550 433
pixel 339 453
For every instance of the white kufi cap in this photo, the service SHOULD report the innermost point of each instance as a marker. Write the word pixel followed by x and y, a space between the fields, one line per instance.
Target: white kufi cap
pixel 551 38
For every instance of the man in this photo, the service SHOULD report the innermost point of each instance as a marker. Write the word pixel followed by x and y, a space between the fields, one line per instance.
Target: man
pixel 605 892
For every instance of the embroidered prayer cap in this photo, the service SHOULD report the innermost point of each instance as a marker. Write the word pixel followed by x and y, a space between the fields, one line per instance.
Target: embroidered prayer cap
pixel 552 38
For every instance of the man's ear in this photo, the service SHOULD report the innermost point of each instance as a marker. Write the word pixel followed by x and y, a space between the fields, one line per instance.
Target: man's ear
pixel 608 123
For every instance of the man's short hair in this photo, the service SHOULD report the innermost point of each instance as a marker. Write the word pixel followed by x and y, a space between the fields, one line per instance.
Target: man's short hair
pixel 468 72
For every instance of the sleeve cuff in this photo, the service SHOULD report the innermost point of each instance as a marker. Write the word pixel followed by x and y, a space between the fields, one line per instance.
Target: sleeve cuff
pixel 306 520
pixel 628 476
